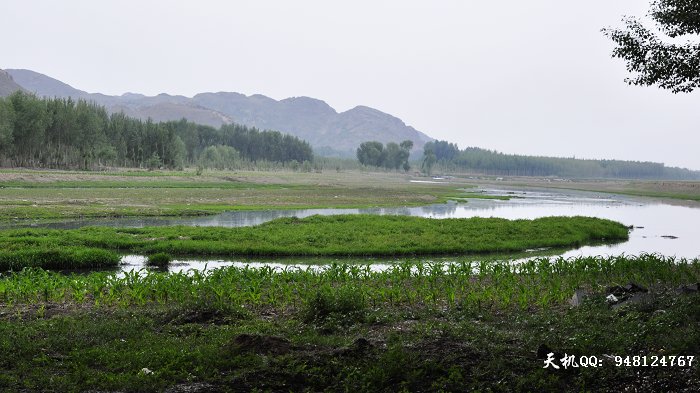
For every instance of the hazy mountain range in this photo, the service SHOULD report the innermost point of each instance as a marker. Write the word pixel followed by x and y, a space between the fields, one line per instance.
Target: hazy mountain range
pixel 328 131
pixel 7 84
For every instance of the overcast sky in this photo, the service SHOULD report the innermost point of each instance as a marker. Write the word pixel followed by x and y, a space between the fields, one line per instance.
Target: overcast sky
pixel 531 77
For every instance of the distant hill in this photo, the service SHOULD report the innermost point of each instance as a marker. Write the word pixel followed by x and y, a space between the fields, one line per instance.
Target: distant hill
pixel 7 84
pixel 159 108
pixel 45 86
pixel 308 118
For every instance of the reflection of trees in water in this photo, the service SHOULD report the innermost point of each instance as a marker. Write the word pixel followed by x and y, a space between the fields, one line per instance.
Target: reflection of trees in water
pixel 113 222
pixel 438 210
pixel 396 211
pixel 248 218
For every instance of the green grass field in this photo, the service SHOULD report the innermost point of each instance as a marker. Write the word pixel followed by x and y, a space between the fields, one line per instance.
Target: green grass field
pixel 415 327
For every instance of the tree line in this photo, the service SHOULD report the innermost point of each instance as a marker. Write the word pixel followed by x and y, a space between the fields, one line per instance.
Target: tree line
pixel 481 161
pixel 67 134
pixel 393 156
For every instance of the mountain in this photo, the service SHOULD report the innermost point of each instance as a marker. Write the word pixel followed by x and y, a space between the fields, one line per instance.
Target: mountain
pixel 45 86
pixel 7 84
pixel 307 118
pixel 365 123
pixel 162 107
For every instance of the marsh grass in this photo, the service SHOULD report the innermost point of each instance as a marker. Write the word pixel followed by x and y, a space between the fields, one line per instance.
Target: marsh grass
pixel 17 258
pixel 160 259
pixel 342 235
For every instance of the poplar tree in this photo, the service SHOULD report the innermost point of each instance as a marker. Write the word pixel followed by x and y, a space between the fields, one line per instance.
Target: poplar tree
pixel 649 55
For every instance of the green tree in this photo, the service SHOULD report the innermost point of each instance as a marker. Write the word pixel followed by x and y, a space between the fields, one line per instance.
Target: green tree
pixel 306 166
pixel 371 153
pixel 406 145
pixel 429 160
pixel 106 155
pixel 178 153
pixel 29 128
pixel 652 59
pixel 6 125
pixel 393 157
pixel 153 162
pixel 405 153
pixel 444 151
pixel 219 157
pixel 90 124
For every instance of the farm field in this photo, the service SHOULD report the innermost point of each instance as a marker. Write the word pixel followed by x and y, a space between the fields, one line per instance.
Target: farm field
pixel 416 327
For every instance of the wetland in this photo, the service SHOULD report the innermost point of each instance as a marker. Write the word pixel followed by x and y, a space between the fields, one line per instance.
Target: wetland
pixel 357 281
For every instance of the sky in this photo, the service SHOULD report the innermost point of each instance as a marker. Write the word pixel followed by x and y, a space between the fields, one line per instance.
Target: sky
pixel 527 77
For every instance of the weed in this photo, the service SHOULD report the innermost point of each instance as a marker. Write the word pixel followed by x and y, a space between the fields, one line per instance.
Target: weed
pixel 335 307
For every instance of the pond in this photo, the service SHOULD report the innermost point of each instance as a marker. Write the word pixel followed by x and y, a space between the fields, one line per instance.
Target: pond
pixel 659 226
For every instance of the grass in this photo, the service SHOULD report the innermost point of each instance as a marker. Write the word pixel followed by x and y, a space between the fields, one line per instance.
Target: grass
pixel 55 195
pixel 418 326
pixel 68 257
pixel 415 327
pixel 660 194
pixel 142 183
pixel 681 190
pixel 343 235
pixel 160 259
pixel 476 195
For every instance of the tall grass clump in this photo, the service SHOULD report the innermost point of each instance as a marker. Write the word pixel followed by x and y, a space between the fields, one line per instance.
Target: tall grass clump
pixel 57 258
pixel 160 259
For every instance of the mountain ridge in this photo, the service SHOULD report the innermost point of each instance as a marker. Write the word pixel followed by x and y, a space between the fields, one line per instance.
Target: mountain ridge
pixel 308 118
pixel 7 84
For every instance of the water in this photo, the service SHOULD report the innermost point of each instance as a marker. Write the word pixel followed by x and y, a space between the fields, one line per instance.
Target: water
pixel 667 228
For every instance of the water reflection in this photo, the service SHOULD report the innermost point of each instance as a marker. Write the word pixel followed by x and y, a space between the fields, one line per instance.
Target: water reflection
pixel 243 218
pixel 138 262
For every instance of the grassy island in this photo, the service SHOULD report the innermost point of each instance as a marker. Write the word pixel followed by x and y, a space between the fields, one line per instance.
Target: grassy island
pixel 344 235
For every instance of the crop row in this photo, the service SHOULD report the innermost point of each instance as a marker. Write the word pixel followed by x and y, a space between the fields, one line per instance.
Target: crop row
pixel 538 282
